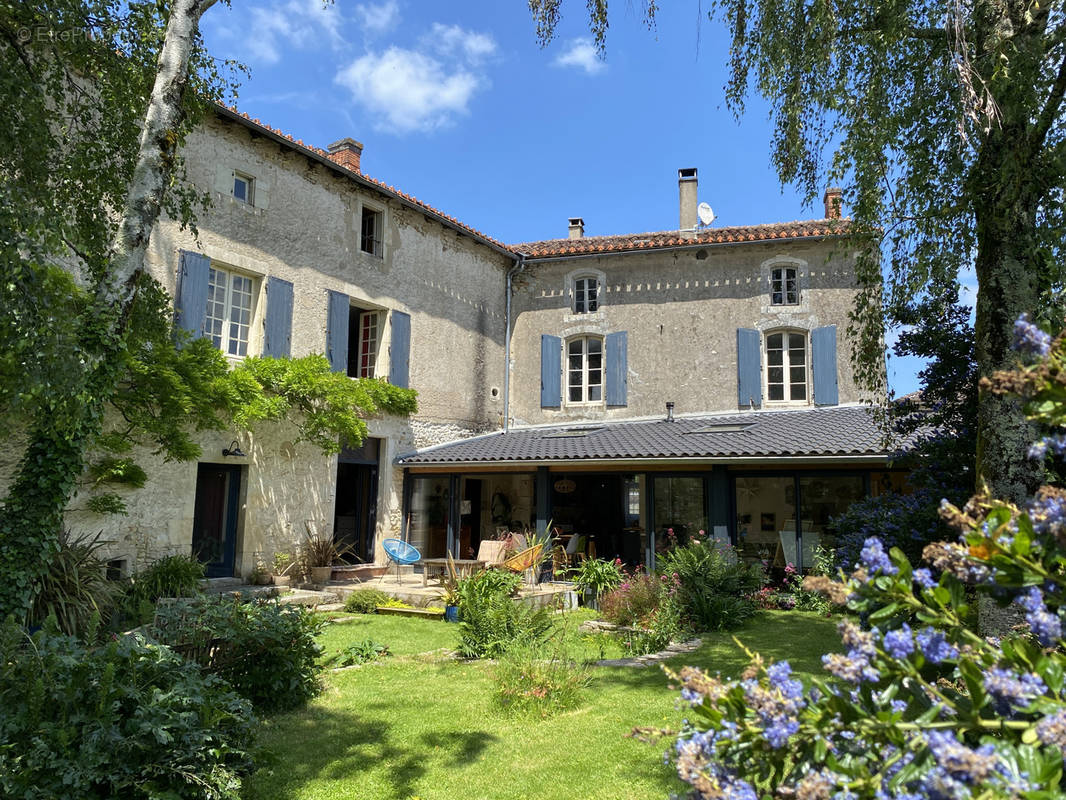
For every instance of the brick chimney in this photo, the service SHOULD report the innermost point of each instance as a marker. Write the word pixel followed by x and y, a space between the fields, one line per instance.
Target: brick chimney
pixel 686 189
pixel 347 153
pixel 832 202
pixel 577 227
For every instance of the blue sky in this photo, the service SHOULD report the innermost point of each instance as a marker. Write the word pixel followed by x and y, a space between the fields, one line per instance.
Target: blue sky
pixel 456 104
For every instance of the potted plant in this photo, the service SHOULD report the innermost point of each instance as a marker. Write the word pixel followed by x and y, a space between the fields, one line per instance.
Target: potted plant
pixel 318 553
pixel 449 594
pixel 595 577
pixel 282 563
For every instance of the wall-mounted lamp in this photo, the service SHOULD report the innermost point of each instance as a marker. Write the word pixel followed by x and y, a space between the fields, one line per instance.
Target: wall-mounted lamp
pixel 234 450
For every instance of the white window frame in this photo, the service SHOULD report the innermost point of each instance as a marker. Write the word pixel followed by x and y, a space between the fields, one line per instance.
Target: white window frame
pixel 585 372
pixel 238 296
pixel 377 241
pixel 787 366
pixel 581 288
pixel 249 184
pixel 368 348
pixel 780 277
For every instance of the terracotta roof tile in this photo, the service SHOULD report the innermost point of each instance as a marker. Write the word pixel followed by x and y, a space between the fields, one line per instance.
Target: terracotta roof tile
pixel 363 177
pixel 801 229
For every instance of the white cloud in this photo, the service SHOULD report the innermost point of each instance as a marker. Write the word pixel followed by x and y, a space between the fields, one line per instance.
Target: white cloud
pixel 272 28
pixel 378 18
pixel 581 53
pixel 424 87
pixel 452 40
pixel 408 90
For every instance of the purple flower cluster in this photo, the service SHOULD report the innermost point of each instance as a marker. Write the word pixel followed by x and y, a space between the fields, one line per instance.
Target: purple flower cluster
pixel 1011 691
pixel 777 704
pixel 875 559
pixel 1048 514
pixel 698 765
pixel 924 578
pixel 935 646
pixel 1045 625
pixel 1052 730
pixel 1056 443
pixel 856 665
pixel 957 765
pixel 899 643
pixel 1030 339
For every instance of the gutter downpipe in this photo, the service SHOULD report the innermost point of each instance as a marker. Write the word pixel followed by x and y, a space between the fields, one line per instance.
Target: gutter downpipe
pixel 519 265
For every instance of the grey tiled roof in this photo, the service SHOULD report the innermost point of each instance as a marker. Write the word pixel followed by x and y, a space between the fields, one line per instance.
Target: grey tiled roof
pixel 841 431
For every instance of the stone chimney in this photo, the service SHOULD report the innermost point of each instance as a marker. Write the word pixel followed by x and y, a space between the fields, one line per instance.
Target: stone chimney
pixel 577 227
pixel 347 153
pixel 832 202
pixel 686 188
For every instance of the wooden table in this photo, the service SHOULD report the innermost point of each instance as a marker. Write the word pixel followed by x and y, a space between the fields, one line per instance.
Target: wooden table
pixel 463 566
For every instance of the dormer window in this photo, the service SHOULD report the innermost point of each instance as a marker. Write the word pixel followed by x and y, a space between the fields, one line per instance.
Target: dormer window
pixel 243 188
pixel 586 293
pixel 784 291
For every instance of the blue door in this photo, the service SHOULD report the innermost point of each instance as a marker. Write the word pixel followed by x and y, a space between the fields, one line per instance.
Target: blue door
pixel 214 532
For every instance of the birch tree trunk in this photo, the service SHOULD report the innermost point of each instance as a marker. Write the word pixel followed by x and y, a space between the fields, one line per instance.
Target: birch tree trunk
pixel 32 512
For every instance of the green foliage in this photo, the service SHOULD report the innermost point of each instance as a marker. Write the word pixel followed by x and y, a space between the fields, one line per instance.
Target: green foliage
pixel 920 704
pixel 365 601
pixel 636 598
pixel 74 590
pixel 825 565
pixel 126 719
pixel 266 651
pixel 540 679
pixel 491 622
pixel 714 587
pixel 330 405
pixel 361 652
pixel 597 576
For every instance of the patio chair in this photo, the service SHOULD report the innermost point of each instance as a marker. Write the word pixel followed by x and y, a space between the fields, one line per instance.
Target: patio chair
pixel 400 552
pixel 526 560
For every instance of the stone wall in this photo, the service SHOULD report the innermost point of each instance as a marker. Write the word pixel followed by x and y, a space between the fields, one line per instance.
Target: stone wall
pixel 680 310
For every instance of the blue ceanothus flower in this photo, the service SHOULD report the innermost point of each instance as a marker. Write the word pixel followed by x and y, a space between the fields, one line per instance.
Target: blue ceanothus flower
pixel 1045 625
pixel 1030 339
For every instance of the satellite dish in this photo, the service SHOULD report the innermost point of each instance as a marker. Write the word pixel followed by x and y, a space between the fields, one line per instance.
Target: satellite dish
pixel 705 213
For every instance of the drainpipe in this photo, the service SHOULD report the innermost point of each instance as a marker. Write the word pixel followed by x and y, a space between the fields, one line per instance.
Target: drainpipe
pixel 519 265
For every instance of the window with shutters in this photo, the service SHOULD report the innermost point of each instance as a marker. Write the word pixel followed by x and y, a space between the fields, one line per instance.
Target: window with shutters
pixel 784 289
pixel 373 224
pixel 363 337
pixel 586 294
pixel 787 373
pixel 229 310
pixel 584 370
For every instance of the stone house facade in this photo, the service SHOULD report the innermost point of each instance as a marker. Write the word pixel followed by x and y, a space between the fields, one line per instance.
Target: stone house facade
pixel 300 253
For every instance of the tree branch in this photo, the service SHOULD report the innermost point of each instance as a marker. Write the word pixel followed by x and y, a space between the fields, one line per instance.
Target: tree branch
pixel 1051 110
pixel 925 34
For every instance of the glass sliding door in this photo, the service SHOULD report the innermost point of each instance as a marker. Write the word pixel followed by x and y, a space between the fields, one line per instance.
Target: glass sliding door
pixel 430 508
pixel 679 509
pixel 766 519
pixel 823 497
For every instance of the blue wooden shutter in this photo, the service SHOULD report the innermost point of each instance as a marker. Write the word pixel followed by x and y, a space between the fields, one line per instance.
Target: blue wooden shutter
pixel 551 367
pixel 400 350
pixel 749 368
pixel 277 328
pixel 337 331
pixel 824 363
pixel 191 308
pixel 617 369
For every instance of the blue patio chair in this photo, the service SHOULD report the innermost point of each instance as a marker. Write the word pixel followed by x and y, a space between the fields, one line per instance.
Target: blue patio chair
pixel 401 552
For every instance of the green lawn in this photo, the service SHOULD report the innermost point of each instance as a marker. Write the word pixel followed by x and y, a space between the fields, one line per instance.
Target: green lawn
pixel 421 725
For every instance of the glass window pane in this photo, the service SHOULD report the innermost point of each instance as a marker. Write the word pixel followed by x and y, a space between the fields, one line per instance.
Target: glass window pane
pixel 766 519
pixel 798 392
pixel 796 341
pixel 595 394
pixel 776 392
pixel 823 497
pixel 776 375
pixel 774 357
pixel 679 507
pixel 595 346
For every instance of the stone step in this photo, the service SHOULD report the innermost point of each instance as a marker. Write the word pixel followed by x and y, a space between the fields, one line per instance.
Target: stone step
pixel 220 585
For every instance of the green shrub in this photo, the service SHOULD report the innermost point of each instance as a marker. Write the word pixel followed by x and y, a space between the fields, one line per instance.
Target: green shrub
pixel 170 576
pixel 490 622
pixel 365 601
pixel 636 598
pixel 713 589
pixel 266 651
pixel 357 653
pixel 536 679
pixel 598 576
pixel 74 588
pixel 127 719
